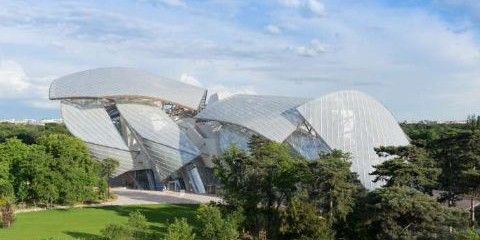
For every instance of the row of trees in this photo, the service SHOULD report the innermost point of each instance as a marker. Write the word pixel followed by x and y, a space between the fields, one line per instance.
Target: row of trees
pixel 271 193
pixel 48 169
pixel 57 170
pixel 29 133
pixel 451 152
pixel 284 196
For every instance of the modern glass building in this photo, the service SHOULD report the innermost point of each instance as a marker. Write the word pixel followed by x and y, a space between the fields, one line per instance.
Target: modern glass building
pixel 165 134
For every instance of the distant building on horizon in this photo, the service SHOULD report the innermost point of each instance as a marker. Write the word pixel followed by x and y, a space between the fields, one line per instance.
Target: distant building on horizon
pixel 31 121
pixel 165 134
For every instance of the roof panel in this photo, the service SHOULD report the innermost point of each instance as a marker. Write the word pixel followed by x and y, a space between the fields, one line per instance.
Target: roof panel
pixel 269 116
pixel 121 82
pixel 169 147
pixel 354 122
pixel 93 125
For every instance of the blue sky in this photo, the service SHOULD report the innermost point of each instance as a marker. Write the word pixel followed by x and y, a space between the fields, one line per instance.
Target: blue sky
pixel 420 58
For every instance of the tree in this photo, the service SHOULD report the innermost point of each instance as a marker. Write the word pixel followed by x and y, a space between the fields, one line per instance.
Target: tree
pixel 265 180
pixel 116 232
pixel 301 220
pixel 135 228
pixel 239 187
pixel 76 173
pixel 469 235
pixel 216 226
pixel 108 167
pixel 260 181
pixel 459 158
pixel 409 166
pixel 332 186
pixel 180 230
pixel 138 224
pixel 399 212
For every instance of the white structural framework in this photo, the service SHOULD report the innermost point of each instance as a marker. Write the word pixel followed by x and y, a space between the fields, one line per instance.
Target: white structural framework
pixel 164 134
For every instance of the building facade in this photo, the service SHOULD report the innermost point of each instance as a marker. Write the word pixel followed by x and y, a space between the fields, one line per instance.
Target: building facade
pixel 165 134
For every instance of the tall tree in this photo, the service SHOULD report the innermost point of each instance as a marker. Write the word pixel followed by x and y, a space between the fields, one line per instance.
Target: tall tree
pixel 409 166
pixel 332 186
pixel 108 167
pixel 264 177
pixel 71 161
pixel 470 177
pixel 405 213
pixel 459 157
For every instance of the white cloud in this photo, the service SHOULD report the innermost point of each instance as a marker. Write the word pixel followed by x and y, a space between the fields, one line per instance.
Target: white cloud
pixel 315 7
pixel 402 56
pixel 291 3
pixel 189 79
pixel 15 84
pixel 313 49
pixel 175 3
pixel 172 3
pixel 273 29
pixel 13 80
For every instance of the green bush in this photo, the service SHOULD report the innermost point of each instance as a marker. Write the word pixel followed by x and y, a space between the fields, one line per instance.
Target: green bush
pixel 180 230
pixel 302 221
pixel 138 225
pixel 470 235
pixel 136 228
pixel 217 227
pixel 116 232
pixel 57 169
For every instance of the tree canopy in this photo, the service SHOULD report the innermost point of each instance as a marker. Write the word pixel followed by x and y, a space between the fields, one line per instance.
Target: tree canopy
pixel 57 169
pixel 409 166
pixel 401 212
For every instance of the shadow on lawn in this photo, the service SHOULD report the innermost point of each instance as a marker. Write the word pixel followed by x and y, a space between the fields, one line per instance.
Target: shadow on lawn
pixel 161 215
pixel 84 236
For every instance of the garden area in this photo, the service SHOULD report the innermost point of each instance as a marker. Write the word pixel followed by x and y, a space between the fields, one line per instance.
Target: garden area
pixel 86 223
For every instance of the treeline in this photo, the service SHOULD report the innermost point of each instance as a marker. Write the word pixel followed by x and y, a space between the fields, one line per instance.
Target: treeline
pixel 29 133
pixel 44 166
pixel 271 193
pixel 453 152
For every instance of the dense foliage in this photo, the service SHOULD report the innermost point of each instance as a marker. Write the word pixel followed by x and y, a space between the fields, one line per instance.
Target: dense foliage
pixel 269 182
pixel 180 230
pixel 405 213
pixel 29 133
pixel 57 169
pixel 287 197
pixel 456 150
pixel 409 166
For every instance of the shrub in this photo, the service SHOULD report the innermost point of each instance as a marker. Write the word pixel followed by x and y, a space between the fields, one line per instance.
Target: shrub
pixel 301 221
pixel 116 232
pixel 215 226
pixel 7 212
pixel 138 225
pixel 180 230
pixel 470 235
pixel 135 228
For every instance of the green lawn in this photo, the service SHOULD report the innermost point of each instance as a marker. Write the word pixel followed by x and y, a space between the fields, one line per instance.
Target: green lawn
pixel 85 223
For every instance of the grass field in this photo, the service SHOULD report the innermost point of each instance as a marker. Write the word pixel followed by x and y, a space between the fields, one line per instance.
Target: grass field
pixel 85 223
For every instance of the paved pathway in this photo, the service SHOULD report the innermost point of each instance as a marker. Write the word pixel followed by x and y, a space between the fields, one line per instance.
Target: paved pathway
pixel 139 197
pixel 134 197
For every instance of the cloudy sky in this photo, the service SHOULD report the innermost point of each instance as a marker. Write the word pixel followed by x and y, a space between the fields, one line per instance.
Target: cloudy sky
pixel 420 58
